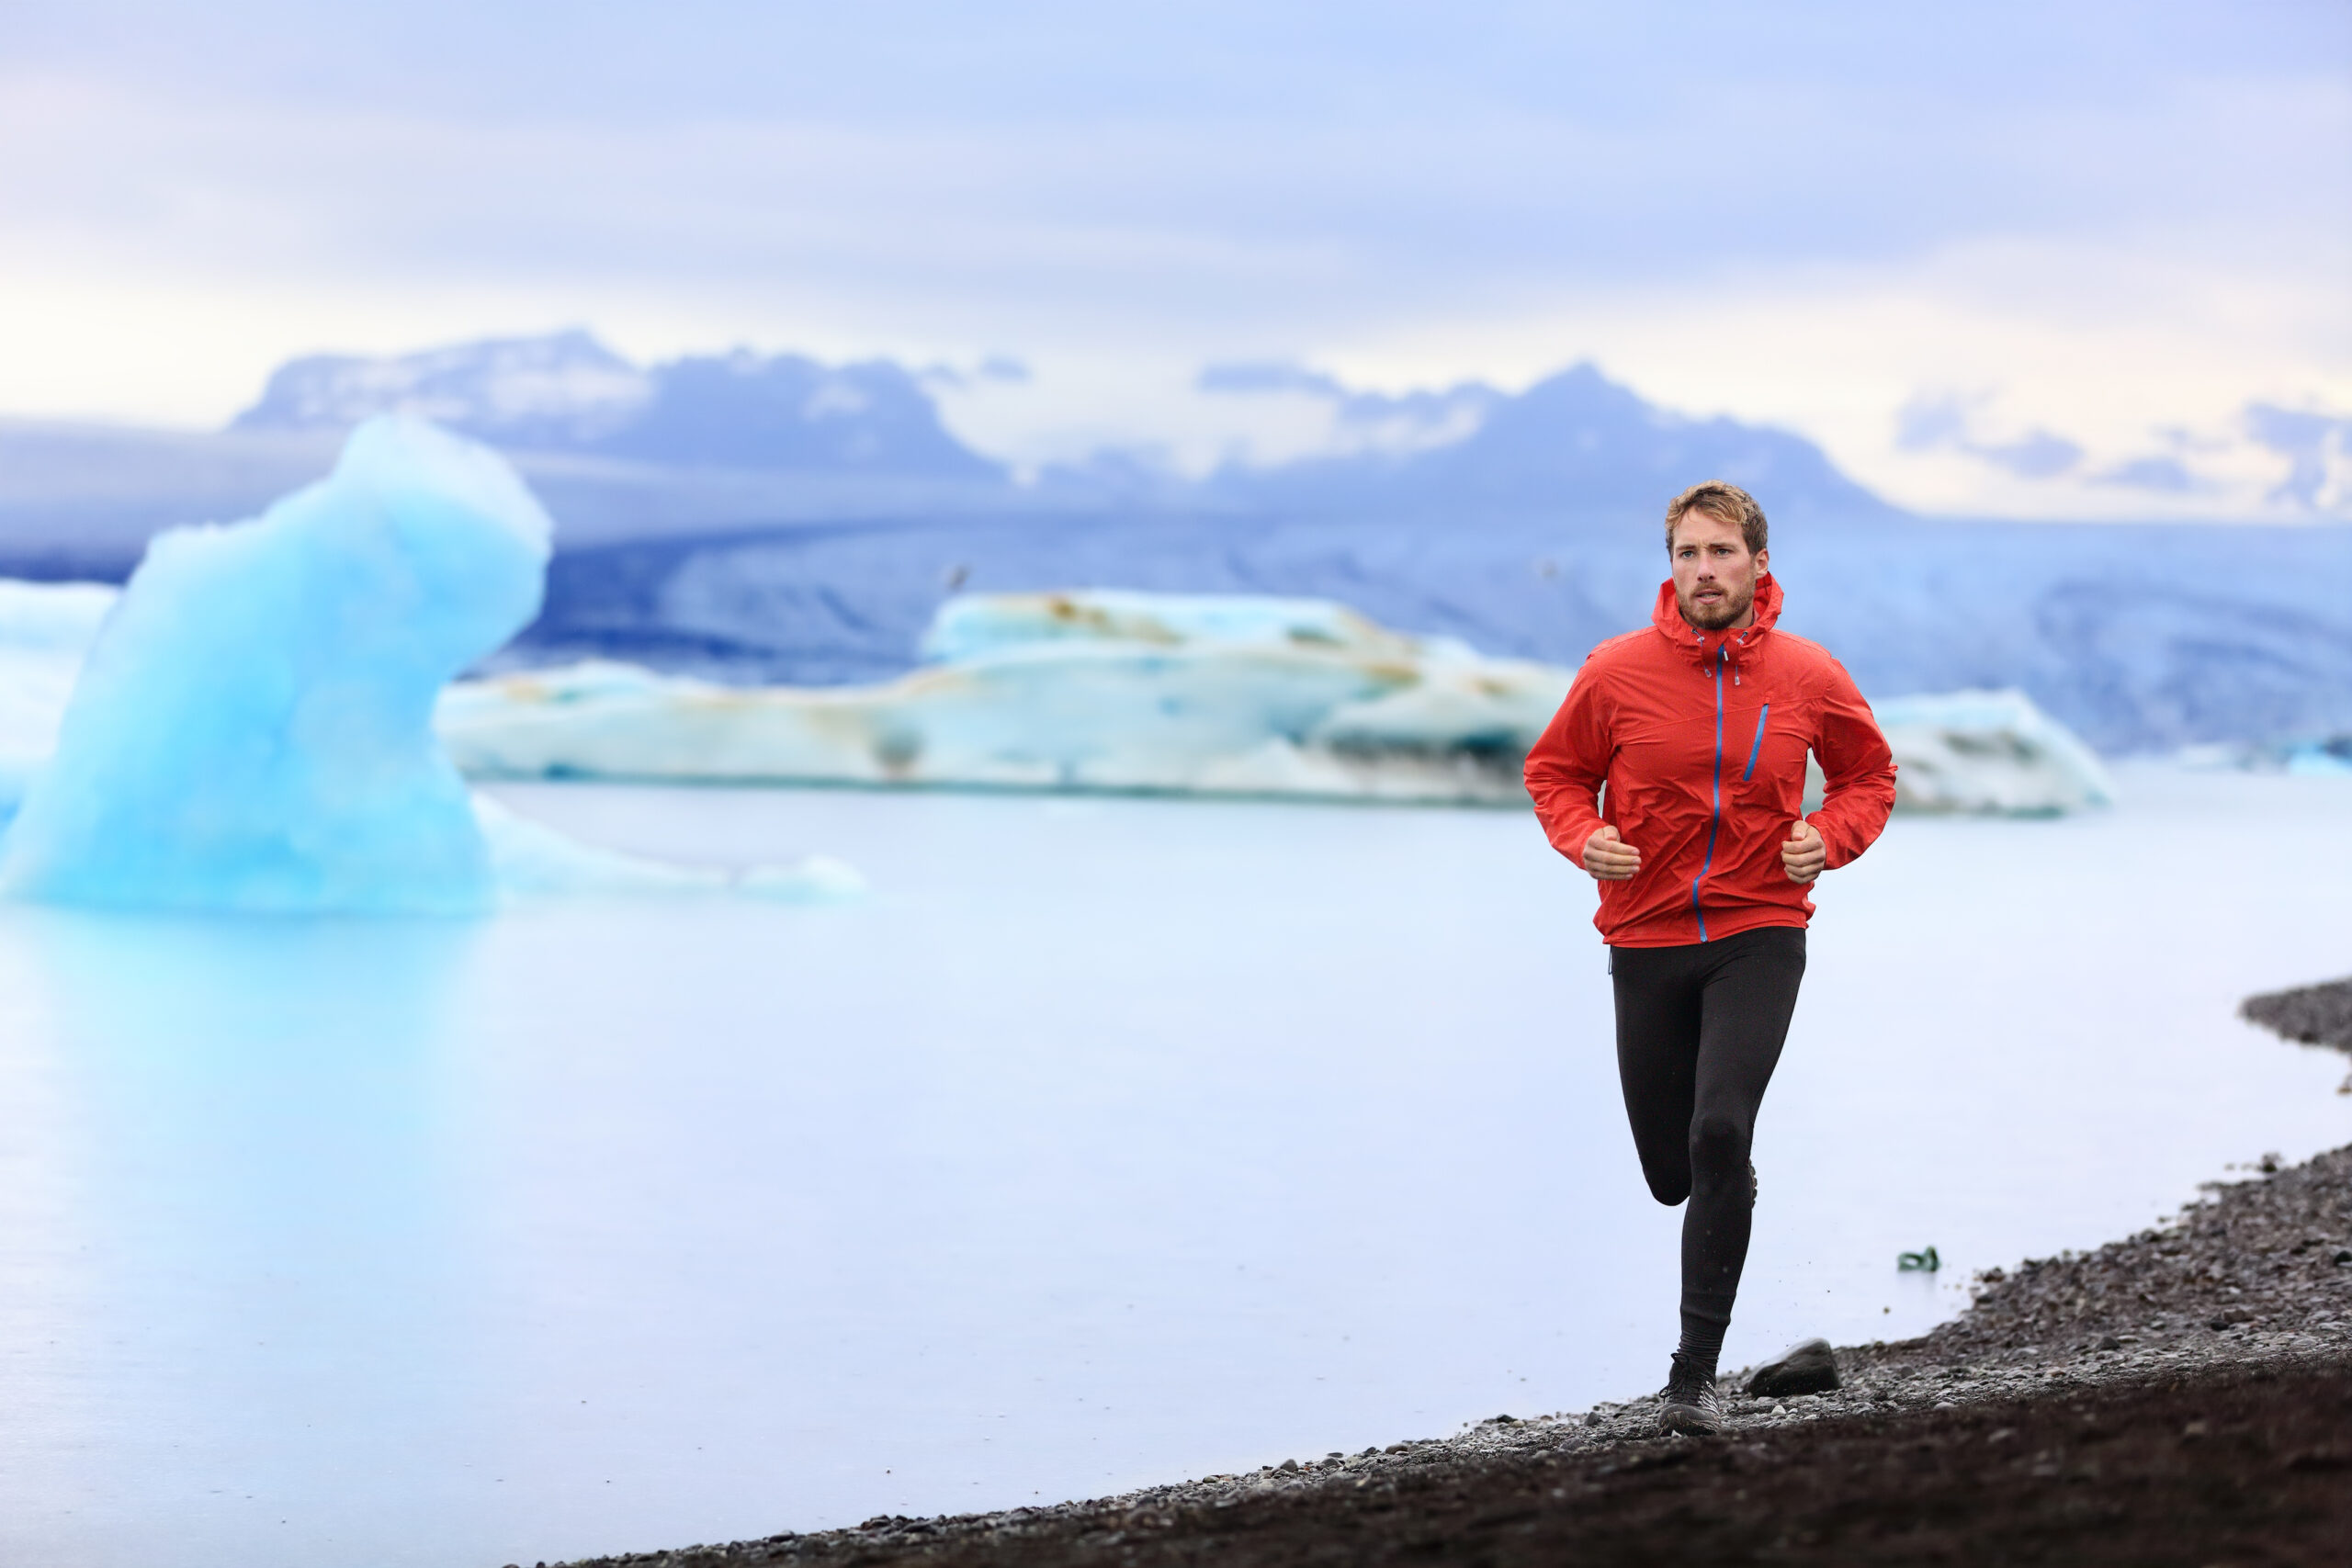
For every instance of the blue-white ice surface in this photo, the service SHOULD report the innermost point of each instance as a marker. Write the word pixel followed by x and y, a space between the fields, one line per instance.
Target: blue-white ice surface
pixel 253 729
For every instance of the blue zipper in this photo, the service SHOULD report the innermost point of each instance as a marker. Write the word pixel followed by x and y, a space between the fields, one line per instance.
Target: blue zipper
pixel 1716 818
pixel 1758 747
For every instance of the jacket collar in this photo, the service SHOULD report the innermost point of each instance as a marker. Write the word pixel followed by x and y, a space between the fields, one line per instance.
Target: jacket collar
pixel 1707 648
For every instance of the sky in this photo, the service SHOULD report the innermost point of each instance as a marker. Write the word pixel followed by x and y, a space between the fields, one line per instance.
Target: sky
pixel 2043 259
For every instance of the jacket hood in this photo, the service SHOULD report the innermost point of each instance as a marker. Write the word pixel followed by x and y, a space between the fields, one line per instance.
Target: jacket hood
pixel 1666 617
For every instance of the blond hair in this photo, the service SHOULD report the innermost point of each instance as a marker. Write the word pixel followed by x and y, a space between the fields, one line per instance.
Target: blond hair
pixel 1725 502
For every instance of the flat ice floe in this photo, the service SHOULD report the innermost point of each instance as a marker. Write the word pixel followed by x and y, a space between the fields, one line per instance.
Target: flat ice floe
pixel 1109 691
pixel 1093 691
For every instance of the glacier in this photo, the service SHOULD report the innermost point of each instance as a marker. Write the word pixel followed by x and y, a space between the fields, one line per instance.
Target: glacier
pixel 1097 690
pixel 1170 694
pixel 248 726
pixel 1989 751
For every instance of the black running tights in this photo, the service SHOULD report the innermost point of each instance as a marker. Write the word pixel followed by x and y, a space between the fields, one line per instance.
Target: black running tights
pixel 1699 1031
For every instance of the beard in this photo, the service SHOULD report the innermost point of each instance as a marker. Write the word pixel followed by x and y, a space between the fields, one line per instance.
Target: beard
pixel 1716 617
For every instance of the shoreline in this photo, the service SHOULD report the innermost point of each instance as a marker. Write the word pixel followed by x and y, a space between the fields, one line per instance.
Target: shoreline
pixel 2125 1395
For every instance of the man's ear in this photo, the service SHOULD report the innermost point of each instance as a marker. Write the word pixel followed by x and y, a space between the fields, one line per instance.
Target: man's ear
pixel 1763 560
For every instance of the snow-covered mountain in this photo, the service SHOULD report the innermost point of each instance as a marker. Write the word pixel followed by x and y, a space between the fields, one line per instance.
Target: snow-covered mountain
pixel 1576 442
pixel 564 390
pixel 569 393
pixel 725 442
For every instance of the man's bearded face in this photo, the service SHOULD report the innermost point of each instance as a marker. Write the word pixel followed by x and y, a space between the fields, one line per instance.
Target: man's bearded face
pixel 1714 573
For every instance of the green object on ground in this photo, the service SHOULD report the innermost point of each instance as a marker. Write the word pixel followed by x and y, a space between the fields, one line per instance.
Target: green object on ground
pixel 1924 1261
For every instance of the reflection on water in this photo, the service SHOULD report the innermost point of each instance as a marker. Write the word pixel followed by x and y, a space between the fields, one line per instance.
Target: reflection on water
pixel 1109 1141
pixel 242 1192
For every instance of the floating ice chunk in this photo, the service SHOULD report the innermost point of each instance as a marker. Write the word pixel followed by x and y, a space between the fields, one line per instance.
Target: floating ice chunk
pixel 252 728
pixel 1105 690
pixel 1101 691
pixel 1179 694
pixel 1988 751
pixel 2329 759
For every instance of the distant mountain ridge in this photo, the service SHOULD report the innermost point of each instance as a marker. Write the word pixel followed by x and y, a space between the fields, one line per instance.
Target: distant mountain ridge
pixel 774 518
pixel 1576 440
pixel 569 393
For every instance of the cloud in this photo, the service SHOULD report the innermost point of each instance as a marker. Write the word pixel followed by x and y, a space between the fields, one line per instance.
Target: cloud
pixel 1946 420
pixel 1269 376
pixel 2168 476
pixel 2038 455
pixel 2126 215
pixel 1002 369
pixel 1363 421
pixel 1927 422
pixel 2318 447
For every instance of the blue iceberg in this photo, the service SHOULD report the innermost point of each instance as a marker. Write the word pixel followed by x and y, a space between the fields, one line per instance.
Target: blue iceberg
pixel 253 726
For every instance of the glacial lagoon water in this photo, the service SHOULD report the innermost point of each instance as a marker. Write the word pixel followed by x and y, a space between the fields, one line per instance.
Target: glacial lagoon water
pixel 1108 1141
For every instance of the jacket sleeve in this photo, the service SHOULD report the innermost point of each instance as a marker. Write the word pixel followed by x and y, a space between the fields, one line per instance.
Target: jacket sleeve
pixel 1858 768
pixel 1567 765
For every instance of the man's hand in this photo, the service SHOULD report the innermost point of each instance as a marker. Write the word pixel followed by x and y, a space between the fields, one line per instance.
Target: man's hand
pixel 1804 854
pixel 1609 857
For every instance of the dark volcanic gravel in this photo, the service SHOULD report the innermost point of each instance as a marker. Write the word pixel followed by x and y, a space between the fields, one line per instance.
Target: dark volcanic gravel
pixel 2181 1396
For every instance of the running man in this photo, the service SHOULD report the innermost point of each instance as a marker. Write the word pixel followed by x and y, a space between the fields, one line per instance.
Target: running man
pixel 1698 729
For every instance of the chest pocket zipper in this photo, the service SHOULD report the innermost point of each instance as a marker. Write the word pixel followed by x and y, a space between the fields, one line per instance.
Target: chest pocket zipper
pixel 1757 750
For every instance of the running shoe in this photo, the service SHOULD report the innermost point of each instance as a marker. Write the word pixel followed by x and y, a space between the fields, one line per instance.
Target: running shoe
pixel 1691 1406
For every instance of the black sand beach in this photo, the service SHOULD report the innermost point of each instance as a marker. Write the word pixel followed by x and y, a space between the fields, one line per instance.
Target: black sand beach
pixel 2181 1396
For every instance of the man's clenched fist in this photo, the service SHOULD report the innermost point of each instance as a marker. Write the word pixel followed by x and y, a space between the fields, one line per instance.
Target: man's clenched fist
pixel 1609 857
pixel 1804 854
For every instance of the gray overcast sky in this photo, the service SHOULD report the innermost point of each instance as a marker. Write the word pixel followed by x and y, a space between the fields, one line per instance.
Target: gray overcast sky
pixel 1941 240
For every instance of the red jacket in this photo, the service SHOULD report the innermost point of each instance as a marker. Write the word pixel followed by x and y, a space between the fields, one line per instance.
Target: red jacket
pixel 1701 737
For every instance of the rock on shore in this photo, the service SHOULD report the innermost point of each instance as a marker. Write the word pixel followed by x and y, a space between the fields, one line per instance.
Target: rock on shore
pixel 2314 1015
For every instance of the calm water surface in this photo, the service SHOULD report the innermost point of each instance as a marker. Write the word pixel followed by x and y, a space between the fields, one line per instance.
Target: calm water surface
pixel 1109 1142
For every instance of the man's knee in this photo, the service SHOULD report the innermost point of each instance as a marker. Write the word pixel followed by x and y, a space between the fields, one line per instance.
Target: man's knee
pixel 1667 1171
pixel 1668 1188
pixel 1718 1153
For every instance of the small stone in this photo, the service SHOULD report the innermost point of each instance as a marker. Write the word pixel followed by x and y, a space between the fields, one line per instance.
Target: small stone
pixel 1288 1467
pixel 2110 1342
pixel 1809 1367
